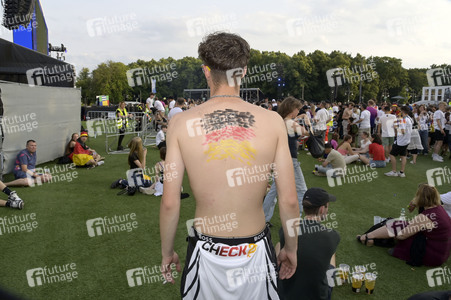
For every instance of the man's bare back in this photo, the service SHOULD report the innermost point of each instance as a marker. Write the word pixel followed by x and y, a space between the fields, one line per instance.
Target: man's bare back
pixel 228 148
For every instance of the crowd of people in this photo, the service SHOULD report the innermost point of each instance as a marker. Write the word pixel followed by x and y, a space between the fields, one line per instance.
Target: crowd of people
pixel 269 133
pixel 369 133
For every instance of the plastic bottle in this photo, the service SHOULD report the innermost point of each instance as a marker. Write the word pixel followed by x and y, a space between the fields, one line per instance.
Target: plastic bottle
pixel 402 217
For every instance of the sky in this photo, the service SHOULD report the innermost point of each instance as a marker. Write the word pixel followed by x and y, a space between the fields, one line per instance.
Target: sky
pixel 416 31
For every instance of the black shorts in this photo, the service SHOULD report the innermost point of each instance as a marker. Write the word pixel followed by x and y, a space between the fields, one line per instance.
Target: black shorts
pixel 398 150
pixel 438 135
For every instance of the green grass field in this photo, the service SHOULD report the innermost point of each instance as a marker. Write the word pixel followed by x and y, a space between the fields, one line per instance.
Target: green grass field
pixel 61 237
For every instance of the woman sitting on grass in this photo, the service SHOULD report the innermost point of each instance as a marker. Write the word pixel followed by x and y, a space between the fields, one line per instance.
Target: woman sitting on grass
pixel 376 152
pixel 136 160
pixel 334 140
pixel 425 239
pixel 364 144
pixel 345 149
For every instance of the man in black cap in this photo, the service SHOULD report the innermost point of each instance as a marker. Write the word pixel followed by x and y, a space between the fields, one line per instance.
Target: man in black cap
pixel 317 245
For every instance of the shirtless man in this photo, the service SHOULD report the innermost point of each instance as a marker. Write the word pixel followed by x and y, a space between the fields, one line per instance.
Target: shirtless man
pixel 223 144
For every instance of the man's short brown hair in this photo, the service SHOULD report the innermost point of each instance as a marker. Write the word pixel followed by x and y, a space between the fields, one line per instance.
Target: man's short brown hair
pixel 222 51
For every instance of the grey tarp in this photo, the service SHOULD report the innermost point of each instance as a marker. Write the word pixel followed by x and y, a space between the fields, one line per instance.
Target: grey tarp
pixel 48 115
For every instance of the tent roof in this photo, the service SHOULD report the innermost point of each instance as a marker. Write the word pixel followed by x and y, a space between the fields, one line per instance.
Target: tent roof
pixel 16 60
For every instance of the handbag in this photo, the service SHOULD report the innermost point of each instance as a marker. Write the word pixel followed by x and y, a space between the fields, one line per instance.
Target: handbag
pixel 315 145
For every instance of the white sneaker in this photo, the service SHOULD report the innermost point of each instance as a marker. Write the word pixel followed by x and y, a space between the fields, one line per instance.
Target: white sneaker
pixel 13 196
pixel 437 158
pixel 401 174
pixel 391 173
pixel 16 204
pixel 387 160
pixel 99 163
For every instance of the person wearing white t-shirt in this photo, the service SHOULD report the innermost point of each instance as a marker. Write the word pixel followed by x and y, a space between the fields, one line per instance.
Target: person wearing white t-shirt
pixel 150 101
pixel 322 117
pixel 439 134
pixel 446 200
pixel 422 118
pixel 159 114
pixel 171 103
pixel 364 123
pixel 386 131
pixel 380 113
pixel 177 108
pixel 404 130
pixel 160 139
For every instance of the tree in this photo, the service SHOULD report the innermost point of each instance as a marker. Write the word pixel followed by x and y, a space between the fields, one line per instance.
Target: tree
pixel 110 78
pixel 84 81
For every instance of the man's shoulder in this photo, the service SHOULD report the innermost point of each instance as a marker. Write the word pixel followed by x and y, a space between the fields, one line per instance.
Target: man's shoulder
pixel 23 152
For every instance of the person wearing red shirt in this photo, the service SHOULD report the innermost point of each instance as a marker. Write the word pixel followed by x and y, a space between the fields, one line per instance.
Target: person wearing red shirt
pixel 376 151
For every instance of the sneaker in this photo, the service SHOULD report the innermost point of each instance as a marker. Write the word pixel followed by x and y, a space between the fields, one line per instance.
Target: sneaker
pixel 413 163
pixel 184 195
pixel 116 184
pixel 387 160
pixel 437 158
pixel 401 174
pixel 16 203
pixel 99 163
pixel 13 196
pixel 120 148
pixel 391 173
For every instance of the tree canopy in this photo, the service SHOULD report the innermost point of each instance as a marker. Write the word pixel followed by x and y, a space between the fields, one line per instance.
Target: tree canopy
pixel 276 74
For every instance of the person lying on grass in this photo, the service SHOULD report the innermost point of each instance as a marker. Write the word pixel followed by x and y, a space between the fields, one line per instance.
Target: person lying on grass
pixel 13 199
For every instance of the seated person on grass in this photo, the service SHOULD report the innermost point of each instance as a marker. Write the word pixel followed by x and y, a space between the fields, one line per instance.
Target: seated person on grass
pixel 334 160
pixel 317 246
pixel 13 199
pixel 376 152
pixel 66 158
pixel 160 139
pixel 157 186
pixel 136 161
pixel 25 168
pixel 83 156
pixel 425 239
pixel 364 144
pixel 345 149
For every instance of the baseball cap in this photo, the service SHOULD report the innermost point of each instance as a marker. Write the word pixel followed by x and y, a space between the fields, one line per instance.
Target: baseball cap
pixel 318 197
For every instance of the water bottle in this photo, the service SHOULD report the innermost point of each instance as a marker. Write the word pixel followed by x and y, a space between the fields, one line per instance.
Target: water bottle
pixel 402 217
